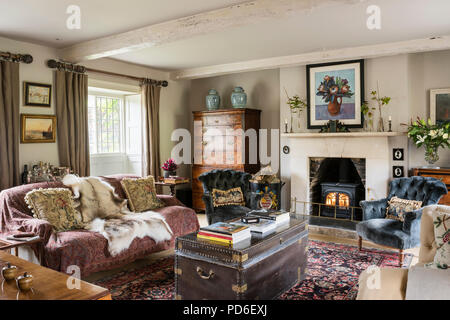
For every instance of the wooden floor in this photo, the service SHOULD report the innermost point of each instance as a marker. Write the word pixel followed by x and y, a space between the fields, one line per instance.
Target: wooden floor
pixel 202 219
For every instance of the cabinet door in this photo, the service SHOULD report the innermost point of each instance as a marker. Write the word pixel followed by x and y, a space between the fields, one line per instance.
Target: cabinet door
pixel 221 146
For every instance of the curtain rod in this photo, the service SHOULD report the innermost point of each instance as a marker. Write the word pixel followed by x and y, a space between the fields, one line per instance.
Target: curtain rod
pixel 82 69
pixel 16 57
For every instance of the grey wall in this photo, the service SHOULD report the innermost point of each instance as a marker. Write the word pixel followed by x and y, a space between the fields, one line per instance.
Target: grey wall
pixel 262 89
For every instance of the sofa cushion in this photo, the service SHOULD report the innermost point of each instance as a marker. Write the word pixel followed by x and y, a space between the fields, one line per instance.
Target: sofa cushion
pixel 428 284
pixel 228 197
pixel 141 194
pixel 382 284
pixel 441 221
pixel 56 206
pixel 387 232
pixel 398 208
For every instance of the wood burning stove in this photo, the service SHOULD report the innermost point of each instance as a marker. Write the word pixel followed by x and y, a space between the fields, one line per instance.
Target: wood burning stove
pixel 338 197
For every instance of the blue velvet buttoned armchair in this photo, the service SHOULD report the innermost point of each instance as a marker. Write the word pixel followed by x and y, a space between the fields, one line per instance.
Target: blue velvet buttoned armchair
pixel 393 233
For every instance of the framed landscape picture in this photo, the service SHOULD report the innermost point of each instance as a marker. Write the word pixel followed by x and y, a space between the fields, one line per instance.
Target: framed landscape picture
pixel 440 106
pixel 335 91
pixel 37 94
pixel 37 128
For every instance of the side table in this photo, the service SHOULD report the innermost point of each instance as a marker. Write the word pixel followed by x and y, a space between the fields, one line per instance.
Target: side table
pixel 171 185
pixel 7 244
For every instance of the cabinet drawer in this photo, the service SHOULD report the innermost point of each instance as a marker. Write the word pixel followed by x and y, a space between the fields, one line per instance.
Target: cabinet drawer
pixel 222 120
pixel 444 178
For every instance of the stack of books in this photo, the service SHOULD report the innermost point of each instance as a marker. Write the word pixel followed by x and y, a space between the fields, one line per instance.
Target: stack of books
pixel 225 233
pixel 279 217
pixel 176 180
pixel 264 226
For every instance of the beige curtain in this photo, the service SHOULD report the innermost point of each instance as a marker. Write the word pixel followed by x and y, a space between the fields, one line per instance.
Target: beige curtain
pixel 9 124
pixel 71 91
pixel 150 95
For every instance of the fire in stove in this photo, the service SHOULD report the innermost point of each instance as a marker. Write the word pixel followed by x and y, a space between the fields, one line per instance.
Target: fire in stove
pixel 337 199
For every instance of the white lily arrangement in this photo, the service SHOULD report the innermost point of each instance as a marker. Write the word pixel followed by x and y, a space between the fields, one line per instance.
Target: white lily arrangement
pixel 431 136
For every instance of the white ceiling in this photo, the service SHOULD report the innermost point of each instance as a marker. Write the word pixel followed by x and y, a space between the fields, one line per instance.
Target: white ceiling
pixel 44 21
pixel 336 26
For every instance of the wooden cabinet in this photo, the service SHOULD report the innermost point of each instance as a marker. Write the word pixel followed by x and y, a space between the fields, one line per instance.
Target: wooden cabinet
pixel 442 174
pixel 219 144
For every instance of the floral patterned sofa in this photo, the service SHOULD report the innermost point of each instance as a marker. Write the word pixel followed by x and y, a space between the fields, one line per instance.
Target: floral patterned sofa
pixel 85 249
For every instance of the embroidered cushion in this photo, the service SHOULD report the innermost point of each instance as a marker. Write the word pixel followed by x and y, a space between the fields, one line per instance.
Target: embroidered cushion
pixel 56 206
pixel 141 194
pixel 398 208
pixel 441 221
pixel 228 197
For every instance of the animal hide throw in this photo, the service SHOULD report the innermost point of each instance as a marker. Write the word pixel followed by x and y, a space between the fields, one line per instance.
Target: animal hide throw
pixel 103 211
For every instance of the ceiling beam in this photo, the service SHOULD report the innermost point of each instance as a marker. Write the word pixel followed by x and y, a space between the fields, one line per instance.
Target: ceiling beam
pixel 363 52
pixel 251 12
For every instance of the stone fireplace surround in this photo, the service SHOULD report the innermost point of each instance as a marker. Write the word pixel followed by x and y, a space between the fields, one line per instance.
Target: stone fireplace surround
pixel 374 147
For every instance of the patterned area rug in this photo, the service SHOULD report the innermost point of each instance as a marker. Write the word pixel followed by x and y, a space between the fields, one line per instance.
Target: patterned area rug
pixel 333 271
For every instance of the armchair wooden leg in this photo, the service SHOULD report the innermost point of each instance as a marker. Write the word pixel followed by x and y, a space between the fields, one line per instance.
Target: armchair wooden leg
pixel 360 243
pixel 400 257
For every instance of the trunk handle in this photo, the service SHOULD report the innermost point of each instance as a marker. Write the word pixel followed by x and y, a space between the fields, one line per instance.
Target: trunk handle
pixel 202 275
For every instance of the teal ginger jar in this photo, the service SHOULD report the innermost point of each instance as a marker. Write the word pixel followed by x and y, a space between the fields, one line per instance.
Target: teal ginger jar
pixel 212 100
pixel 238 98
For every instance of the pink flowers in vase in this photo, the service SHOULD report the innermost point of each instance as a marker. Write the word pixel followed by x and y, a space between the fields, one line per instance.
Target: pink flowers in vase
pixel 170 166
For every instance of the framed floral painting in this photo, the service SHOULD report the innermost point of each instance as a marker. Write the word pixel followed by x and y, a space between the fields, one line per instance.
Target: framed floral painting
pixel 335 91
pixel 440 106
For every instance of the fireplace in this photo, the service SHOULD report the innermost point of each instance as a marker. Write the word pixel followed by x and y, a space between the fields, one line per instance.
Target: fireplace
pixel 338 199
pixel 338 185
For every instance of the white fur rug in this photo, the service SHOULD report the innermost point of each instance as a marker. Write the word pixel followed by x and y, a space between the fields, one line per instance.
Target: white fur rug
pixel 104 212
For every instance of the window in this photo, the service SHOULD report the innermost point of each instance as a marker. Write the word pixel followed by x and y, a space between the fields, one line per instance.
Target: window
pixel 115 131
pixel 106 120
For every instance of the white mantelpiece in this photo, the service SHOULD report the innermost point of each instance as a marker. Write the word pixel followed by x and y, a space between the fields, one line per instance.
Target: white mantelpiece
pixel 375 147
pixel 341 134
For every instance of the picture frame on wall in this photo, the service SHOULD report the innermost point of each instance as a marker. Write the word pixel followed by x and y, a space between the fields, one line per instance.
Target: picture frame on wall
pixel 440 106
pixel 37 128
pixel 37 94
pixel 335 91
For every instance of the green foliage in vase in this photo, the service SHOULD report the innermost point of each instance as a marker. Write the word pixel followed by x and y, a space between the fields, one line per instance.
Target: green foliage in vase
pixel 295 102
pixel 367 110
pixel 382 101
pixel 431 136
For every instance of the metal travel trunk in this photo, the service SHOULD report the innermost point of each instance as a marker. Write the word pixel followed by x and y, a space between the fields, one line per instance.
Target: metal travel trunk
pixel 262 269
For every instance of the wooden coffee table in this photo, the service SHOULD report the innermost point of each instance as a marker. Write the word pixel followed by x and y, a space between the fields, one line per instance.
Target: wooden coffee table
pixel 260 268
pixel 47 284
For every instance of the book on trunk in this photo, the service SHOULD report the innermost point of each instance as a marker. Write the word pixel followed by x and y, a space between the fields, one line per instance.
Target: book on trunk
pixel 275 215
pixel 264 226
pixel 224 232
